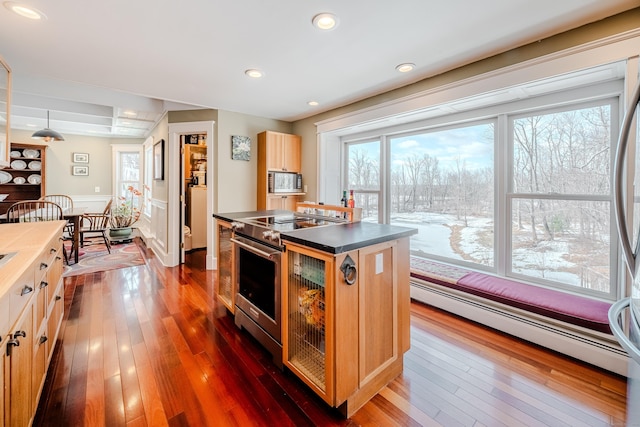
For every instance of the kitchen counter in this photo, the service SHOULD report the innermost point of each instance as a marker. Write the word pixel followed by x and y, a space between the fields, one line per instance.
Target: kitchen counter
pixel 333 239
pixel 27 240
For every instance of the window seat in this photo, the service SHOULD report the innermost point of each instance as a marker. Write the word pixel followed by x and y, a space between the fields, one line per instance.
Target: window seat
pixel 573 309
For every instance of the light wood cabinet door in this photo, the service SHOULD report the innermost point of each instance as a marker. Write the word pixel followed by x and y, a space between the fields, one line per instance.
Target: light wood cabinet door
pixel 274 150
pixel 282 151
pixel 283 202
pixel 18 380
pixel 292 153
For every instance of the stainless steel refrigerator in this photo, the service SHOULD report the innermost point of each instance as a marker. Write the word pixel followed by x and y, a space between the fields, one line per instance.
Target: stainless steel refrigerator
pixel 624 315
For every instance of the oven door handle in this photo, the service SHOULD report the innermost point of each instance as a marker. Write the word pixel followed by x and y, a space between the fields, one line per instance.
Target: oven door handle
pixel 253 249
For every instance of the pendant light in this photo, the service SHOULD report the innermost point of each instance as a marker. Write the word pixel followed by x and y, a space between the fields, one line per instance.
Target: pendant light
pixel 47 134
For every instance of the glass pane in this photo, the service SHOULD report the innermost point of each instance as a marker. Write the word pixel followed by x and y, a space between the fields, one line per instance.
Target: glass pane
pixel 563 241
pixel 364 166
pixel 567 152
pixel 130 166
pixel 369 204
pixel 442 184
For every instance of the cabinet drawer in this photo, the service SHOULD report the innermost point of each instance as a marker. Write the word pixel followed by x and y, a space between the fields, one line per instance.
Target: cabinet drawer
pixel 47 258
pixel 20 294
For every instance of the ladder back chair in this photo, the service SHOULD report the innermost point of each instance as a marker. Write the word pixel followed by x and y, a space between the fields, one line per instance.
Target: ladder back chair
pixel 96 224
pixel 36 211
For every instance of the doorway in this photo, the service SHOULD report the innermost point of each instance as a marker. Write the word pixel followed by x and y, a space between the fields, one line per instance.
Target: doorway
pixel 194 193
pixel 176 196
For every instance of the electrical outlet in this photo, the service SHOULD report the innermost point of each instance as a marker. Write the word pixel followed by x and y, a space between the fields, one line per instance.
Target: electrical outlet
pixel 305 188
pixel 97 189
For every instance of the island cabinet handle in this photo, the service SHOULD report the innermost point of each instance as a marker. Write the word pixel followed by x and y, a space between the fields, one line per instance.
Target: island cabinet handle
pixel 10 344
pixel 58 258
pixel 22 334
pixel 43 284
pixel 43 339
pixel 52 250
pixel 43 265
pixel 58 297
pixel 349 270
pixel 26 290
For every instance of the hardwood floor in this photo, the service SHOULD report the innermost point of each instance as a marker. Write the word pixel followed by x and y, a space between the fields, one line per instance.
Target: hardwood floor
pixel 148 346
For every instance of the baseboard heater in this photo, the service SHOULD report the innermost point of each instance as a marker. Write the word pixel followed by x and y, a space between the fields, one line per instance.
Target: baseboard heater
pixel 592 347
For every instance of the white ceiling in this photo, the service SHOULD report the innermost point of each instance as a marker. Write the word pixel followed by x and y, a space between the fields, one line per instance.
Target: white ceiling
pixel 89 62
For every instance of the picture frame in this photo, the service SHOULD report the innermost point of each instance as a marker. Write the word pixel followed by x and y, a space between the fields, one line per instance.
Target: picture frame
pixel 158 160
pixel 80 157
pixel 240 148
pixel 80 170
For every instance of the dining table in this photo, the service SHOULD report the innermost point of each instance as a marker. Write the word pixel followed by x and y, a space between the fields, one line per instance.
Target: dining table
pixel 74 215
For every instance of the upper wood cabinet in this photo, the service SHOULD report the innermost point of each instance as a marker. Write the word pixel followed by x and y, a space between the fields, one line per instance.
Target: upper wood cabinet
pixel 277 152
pixel 281 151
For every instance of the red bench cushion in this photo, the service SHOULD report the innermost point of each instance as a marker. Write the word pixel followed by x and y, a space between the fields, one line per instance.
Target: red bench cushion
pixel 569 308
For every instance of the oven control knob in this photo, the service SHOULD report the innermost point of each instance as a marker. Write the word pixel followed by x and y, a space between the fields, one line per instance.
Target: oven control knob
pixel 267 235
pixel 275 237
pixel 236 225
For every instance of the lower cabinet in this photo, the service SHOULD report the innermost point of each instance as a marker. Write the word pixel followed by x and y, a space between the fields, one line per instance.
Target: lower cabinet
pixel 283 202
pixel 26 348
pixel 225 288
pixel 342 321
pixel 17 367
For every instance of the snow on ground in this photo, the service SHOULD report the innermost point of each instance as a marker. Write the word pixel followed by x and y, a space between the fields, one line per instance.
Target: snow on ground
pixel 547 261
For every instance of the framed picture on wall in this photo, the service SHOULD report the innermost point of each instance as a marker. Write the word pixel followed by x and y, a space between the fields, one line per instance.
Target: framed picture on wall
pixel 158 160
pixel 80 170
pixel 80 157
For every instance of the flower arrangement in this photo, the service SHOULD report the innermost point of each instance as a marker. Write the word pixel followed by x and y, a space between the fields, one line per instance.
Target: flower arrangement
pixel 127 209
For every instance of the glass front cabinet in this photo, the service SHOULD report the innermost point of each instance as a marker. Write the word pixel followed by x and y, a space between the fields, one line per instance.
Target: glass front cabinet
pixel 225 281
pixel 341 330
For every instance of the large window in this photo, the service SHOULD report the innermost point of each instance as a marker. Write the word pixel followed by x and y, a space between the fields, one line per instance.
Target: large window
pixel 522 189
pixel 561 196
pixel 128 172
pixel 442 183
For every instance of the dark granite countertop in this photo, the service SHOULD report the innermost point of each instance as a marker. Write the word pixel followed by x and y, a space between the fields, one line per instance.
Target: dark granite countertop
pixel 340 238
pixel 333 239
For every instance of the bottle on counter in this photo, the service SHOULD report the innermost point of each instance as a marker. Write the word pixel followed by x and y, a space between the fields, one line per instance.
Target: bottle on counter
pixel 343 201
pixel 351 202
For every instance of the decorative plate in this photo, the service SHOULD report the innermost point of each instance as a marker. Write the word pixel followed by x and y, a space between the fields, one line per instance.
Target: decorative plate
pixel 34 179
pixel 35 165
pixel 15 153
pixel 19 180
pixel 31 154
pixel 5 177
pixel 18 165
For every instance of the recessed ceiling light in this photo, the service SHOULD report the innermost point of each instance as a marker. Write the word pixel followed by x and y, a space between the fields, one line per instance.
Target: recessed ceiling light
pixel 325 21
pixel 406 67
pixel 313 103
pixel 253 73
pixel 129 113
pixel 24 10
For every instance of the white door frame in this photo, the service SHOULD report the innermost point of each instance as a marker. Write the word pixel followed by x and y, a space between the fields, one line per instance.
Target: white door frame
pixel 175 184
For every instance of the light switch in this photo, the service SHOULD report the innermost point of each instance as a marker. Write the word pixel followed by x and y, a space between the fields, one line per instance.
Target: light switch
pixel 97 189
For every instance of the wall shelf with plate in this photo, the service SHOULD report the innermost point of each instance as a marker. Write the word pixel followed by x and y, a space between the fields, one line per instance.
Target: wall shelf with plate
pixel 24 179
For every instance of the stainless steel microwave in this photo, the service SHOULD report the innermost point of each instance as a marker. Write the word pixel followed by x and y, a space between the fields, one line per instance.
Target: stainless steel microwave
pixel 285 182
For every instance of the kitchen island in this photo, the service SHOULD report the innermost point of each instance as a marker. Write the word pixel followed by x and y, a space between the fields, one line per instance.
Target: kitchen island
pixel 31 309
pixel 342 298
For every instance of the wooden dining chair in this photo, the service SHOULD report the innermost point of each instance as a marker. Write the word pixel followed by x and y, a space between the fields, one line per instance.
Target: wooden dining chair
pixel 96 224
pixel 66 203
pixel 36 211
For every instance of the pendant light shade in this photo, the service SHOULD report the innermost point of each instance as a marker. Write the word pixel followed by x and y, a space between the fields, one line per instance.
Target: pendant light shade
pixel 47 134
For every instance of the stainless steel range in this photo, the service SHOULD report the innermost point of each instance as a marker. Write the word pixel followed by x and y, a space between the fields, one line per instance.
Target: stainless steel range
pixel 258 250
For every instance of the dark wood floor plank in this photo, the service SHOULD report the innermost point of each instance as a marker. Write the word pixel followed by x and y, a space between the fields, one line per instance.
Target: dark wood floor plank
pixel 151 346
